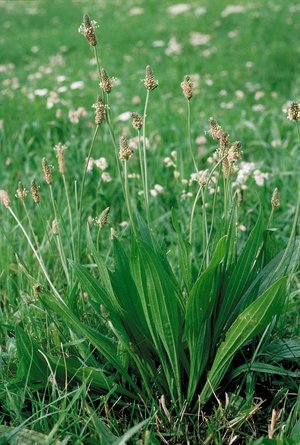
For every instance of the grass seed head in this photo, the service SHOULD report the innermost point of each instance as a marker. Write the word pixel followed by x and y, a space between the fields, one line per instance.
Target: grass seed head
pixel 137 121
pixel 215 129
pixel 275 200
pixel 187 87
pixel 234 152
pixel 102 219
pixel 100 111
pixel 4 198
pixel 54 227
pixel 37 289
pixel 35 192
pixel 106 82
pixel 21 192
pixel 293 111
pixel 149 81
pixel 47 171
pixel 87 28
pixel 228 168
pixel 60 148
pixel 202 177
pixel 124 153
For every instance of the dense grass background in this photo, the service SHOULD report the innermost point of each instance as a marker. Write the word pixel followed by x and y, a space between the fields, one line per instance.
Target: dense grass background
pixel 246 71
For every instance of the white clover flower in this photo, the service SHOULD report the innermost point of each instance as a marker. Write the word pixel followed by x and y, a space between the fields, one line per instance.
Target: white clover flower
pixel 180 8
pixel 173 47
pixel 260 177
pixel 78 85
pixel 169 162
pixel 105 176
pixel 101 163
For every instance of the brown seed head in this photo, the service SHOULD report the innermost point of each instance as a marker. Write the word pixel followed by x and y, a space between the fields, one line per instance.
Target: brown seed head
pixel 228 168
pixel 234 152
pixel 60 148
pixel 102 219
pixel 37 289
pixel 54 227
pixel 149 81
pixel 137 121
pixel 124 153
pixel 202 177
pixel 224 141
pixel 106 83
pixel 47 171
pixel 215 129
pixel 187 87
pixel 293 111
pixel 100 111
pixel 275 200
pixel 87 28
pixel 4 198
pixel 21 192
pixel 35 193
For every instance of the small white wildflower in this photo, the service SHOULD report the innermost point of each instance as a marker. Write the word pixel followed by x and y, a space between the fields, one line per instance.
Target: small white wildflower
pixel 180 8
pixel 41 92
pixel 259 95
pixel 136 11
pixel 159 188
pixel 260 108
pixel 260 177
pixel 153 193
pixel 232 9
pixel 158 43
pixel 169 162
pixel 173 47
pixel 198 39
pixel 101 163
pixel 200 10
pixel 78 85
pixel 123 117
pixel 105 176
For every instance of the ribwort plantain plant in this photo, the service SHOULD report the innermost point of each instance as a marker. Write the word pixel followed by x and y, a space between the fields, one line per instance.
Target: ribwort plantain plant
pixel 140 323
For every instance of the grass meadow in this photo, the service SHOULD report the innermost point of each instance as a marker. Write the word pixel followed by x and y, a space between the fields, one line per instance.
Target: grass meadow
pixel 149 236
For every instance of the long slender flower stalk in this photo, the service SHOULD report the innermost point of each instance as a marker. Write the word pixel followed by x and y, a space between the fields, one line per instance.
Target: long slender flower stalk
pixel 35 252
pixel 187 89
pixel 124 155
pixel 60 148
pixel 48 178
pixel 150 84
pixel 145 170
pixel 82 188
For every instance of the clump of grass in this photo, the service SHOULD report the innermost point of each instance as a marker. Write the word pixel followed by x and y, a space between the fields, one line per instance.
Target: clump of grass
pixel 164 341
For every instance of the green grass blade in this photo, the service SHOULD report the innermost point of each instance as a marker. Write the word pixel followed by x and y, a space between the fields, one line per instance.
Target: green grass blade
pixel 104 344
pixel 32 365
pixel 93 287
pixel 131 432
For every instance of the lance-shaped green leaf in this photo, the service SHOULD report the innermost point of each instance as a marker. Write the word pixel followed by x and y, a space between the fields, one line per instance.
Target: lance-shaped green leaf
pixel 238 278
pixel 198 312
pixel 249 323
